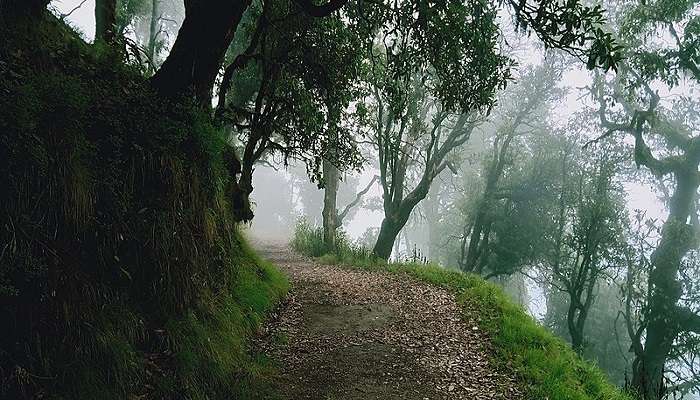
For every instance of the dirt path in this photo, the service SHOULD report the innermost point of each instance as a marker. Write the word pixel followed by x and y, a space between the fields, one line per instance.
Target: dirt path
pixel 351 335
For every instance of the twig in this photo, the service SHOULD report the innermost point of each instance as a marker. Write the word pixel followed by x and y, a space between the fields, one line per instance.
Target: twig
pixel 64 16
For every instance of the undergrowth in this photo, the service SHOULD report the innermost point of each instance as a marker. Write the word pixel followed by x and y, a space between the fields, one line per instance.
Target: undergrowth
pixel 546 365
pixel 122 274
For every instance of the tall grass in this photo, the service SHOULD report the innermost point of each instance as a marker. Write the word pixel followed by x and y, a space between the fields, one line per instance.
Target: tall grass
pixel 546 365
pixel 308 240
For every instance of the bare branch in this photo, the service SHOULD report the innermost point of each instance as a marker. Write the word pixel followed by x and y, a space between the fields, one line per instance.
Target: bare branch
pixel 356 201
pixel 68 14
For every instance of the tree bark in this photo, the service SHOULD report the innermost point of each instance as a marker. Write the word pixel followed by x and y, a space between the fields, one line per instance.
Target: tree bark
pixel 153 31
pixel 194 61
pixel 396 215
pixel 330 212
pixel 385 241
pixel 240 185
pixel 576 323
pixel 105 20
pixel 476 247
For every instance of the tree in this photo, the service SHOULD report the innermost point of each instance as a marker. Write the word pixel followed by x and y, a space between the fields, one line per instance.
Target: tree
pixel 438 70
pixel 105 20
pixel 205 36
pixel 667 145
pixel 400 148
pixel 285 94
pixel 523 111
pixel 587 236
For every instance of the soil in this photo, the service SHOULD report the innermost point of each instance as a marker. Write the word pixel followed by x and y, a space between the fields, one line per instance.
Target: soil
pixel 350 334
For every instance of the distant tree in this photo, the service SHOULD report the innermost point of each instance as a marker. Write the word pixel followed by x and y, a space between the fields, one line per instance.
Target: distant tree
pixel 523 111
pixel 587 236
pixel 332 217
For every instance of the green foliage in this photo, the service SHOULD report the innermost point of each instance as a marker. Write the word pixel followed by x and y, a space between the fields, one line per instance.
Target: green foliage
pixel 294 93
pixel 209 342
pixel 308 240
pixel 547 367
pixel 120 271
pixel 669 61
pixel 458 63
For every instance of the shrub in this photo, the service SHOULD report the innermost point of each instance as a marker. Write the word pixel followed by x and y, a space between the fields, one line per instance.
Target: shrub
pixel 308 240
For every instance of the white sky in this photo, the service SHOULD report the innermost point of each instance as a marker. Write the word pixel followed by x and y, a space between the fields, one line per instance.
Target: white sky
pixel 83 18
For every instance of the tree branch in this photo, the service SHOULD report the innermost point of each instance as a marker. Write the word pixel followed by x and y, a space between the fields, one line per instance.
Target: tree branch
pixel 356 201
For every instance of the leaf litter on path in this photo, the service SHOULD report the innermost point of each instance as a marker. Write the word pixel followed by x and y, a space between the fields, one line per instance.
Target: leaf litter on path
pixel 352 334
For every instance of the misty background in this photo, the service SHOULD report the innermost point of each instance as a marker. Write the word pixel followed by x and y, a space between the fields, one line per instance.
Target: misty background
pixel 284 195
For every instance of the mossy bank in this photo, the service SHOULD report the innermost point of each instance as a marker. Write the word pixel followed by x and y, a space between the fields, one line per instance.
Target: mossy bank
pixel 121 271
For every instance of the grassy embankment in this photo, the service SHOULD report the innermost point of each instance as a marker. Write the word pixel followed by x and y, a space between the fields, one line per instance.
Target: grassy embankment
pixel 122 274
pixel 547 367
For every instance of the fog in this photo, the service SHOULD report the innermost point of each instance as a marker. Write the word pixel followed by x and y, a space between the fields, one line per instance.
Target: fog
pixel 528 181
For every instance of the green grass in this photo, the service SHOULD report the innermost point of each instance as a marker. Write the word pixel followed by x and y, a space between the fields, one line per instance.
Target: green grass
pixel 212 358
pixel 546 365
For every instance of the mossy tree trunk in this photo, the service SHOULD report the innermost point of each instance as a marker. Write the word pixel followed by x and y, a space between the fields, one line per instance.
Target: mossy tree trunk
pixel 665 318
pixel 330 211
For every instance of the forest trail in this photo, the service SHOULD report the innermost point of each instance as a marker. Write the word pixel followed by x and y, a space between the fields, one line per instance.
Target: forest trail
pixel 350 334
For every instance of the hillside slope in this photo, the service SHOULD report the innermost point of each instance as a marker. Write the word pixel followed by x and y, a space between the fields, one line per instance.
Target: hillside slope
pixel 543 365
pixel 121 272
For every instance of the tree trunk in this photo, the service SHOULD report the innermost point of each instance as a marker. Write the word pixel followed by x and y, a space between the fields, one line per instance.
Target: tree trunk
pixel 153 35
pixel 475 241
pixel 392 224
pixel 575 323
pixel 330 211
pixel 395 218
pixel 240 185
pixel 677 238
pixel 105 20
pixel 431 206
pixel 385 241
pixel 196 56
